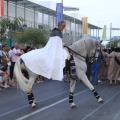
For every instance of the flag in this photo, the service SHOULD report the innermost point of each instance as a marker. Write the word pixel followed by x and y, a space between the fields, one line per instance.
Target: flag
pixel 1 7
pixel 59 13
pixel 84 25
pixel 104 33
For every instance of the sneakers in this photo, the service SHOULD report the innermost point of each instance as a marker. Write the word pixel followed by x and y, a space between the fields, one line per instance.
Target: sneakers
pixel 6 86
pixel 99 81
pixel 34 105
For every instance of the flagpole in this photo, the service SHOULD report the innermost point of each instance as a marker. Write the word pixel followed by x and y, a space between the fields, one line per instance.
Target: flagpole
pixel 110 33
pixel 98 29
pixel 62 8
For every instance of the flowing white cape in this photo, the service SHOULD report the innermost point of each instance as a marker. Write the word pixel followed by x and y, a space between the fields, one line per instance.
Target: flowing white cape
pixel 48 61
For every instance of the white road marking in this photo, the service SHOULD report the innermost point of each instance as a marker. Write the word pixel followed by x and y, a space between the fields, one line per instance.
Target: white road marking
pixel 44 108
pixel 100 106
pixel 37 102
pixel 47 99
pixel 117 116
pixel 51 105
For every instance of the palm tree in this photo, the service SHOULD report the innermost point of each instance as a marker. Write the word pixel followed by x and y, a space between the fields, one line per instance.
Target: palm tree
pixel 4 24
pixel 17 23
pixel 7 27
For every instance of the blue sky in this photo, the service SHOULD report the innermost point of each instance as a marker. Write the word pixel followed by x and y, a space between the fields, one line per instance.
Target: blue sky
pixel 99 12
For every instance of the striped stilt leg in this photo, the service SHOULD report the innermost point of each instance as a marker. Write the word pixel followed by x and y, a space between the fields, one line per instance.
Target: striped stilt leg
pixel 31 100
pixel 71 97
pixel 71 100
pixel 97 96
pixel 72 87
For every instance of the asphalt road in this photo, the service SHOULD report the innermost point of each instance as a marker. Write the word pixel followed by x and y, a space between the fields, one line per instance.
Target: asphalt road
pixel 52 100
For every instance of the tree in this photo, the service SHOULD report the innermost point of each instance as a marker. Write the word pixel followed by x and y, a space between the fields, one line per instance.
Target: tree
pixel 4 24
pixel 33 36
pixel 17 24
pixel 7 27
pixel 113 44
pixel 14 29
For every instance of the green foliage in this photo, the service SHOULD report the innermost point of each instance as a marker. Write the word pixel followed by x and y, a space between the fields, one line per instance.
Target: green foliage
pixel 33 36
pixel 4 24
pixel 17 23
pixel 14 25
pixel 113 44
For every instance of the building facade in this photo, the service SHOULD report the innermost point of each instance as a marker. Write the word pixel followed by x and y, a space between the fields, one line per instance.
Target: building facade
pixel 36 14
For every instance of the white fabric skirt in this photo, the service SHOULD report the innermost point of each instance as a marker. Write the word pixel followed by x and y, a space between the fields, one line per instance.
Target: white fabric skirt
pixel 48 61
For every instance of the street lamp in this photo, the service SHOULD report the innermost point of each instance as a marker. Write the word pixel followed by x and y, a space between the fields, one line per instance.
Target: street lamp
pixel 72 9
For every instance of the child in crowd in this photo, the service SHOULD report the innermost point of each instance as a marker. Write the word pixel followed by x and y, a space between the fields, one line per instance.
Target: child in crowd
pixel 4 78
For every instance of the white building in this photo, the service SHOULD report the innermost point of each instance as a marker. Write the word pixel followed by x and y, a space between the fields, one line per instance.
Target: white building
pixel 43 13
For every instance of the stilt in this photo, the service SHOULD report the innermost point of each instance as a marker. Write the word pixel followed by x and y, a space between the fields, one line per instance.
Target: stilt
pixel 97 96
pixel 70 97
pixel 71 100
pixel 31 100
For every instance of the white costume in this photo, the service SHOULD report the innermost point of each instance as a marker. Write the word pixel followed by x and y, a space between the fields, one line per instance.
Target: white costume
pixel 48 61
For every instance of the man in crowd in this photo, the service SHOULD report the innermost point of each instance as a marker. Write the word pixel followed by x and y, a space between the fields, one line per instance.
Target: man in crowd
pixel 16 53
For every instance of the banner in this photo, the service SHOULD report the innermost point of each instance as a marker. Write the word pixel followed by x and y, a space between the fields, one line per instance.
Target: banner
pixel 1 7
pixel 84 25
pixel 59 15
pixel 104 33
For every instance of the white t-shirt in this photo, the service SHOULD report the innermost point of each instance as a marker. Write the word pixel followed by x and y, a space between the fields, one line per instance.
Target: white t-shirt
pixel 14 56
pixel 10 53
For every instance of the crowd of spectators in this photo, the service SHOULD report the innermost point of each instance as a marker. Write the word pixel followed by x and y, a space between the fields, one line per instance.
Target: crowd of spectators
pixel 8 57
pixel 107 67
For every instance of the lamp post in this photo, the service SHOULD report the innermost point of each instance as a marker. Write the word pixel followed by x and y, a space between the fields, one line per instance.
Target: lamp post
pixel 72 9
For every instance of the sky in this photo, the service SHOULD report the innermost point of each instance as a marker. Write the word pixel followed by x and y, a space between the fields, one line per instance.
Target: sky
pixel 99 12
